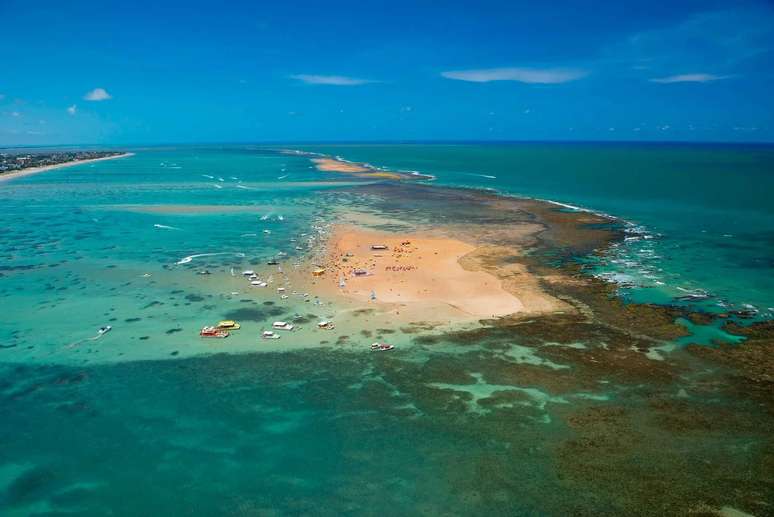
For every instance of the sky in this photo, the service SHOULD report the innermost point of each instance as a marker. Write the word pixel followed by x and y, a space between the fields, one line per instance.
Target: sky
pixel 124 73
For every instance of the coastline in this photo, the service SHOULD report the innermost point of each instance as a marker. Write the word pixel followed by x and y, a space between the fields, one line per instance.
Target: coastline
pixel 34 170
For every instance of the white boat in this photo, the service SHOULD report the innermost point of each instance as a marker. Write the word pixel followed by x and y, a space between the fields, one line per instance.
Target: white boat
pixel 104 330
pixel 280 289
pixel 268 334
pixel 284 297
pixel 282 325
pixel 248 272
pixel 325 325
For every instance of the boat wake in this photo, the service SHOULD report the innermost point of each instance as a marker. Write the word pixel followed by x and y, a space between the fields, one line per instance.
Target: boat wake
pixel 487 176
pixel 189 258
pixel 165 227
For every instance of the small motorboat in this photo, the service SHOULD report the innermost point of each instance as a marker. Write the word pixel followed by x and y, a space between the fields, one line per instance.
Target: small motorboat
pixel 379 246
pixel 268 334
pixel 280 289
pixel 326 325
pixel 318 272
pixel 248 272
pixel 381 347
pixel 272 262
pixel 104 330
pixel 360 272
pixel 213 332
pixel 258 283
pixel 282 325
pixel 228 325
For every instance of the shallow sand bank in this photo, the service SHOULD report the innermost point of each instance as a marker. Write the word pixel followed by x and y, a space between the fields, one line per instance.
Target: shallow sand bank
pixel 189 209
pixel 362 171
pixel 34 170
pixel 427 277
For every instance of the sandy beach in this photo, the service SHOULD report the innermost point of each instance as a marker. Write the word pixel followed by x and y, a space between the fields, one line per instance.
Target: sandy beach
pixel 426 277
pixel 34 170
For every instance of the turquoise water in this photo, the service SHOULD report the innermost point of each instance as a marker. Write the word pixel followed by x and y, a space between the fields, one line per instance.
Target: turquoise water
pixel 151 419
pixel 702 216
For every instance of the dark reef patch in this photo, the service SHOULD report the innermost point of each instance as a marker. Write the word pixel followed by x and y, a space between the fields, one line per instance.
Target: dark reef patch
pixel 253 313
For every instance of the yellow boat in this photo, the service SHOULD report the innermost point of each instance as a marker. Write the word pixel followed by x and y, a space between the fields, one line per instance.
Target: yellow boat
pixel 228 325
pixel 318 272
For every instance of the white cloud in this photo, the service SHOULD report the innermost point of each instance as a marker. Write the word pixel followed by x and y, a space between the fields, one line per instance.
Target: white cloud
pixel 689 78
pixel 522 75
pixel 336 80
pixel 97 94
pixel 72 109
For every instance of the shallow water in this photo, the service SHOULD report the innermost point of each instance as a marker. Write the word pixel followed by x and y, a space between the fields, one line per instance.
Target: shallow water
pixel 149 418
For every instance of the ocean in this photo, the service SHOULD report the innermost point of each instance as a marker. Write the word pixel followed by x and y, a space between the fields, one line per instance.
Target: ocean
pixel 150 418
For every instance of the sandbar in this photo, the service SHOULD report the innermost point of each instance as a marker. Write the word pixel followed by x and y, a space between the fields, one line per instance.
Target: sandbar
pixel 426 277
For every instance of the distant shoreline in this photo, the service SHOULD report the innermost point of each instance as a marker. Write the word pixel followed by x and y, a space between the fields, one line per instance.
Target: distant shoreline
pixel 34 170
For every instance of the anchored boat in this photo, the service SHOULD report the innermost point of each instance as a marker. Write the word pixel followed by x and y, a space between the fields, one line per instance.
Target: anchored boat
pixel 228 325
pixel 213 332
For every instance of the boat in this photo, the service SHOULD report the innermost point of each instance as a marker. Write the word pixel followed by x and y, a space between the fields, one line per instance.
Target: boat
pixel 228 325
pixel 325 325
pixel 258 283
pixel 272 262
pixel 280 289
pixel 268 334
pixel 282 325
pixel 318 272
pixel 379 246
pixel 360 272
pixel 213 332
pixel 104 330
pixel 248 272
pixel 381 347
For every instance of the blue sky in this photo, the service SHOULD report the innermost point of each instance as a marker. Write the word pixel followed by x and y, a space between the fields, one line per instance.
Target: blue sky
pixel 165 72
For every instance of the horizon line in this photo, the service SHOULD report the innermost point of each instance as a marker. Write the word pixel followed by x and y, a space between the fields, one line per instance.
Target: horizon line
pixel 391 142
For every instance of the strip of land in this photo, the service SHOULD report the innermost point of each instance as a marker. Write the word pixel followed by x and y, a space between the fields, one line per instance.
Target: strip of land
pixel 34 170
